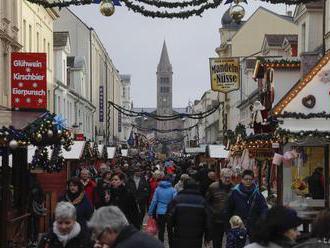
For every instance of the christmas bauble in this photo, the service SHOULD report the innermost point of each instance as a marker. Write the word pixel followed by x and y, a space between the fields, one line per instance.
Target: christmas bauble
pixel 38 137
pixel 237 12
pixel 50 133
pixel 13 144
pixel 107 8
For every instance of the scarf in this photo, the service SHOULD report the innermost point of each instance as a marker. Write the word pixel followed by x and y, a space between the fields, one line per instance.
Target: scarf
pixel 74 199
pixel 64 239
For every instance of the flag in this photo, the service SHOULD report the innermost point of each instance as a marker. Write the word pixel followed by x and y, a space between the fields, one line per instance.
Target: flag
pixel 130 140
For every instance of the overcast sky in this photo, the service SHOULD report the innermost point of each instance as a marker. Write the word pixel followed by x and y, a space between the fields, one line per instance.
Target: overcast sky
pixel 134 44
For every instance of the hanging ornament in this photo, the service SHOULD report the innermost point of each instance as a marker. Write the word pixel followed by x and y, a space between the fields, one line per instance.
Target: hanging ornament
pixel 107 8
pixel 237 12
pixel 50 133
pixel 59 132
pixel 13 144
pixel 38 137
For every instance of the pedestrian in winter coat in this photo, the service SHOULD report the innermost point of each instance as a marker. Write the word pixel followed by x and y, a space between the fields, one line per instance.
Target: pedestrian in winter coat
pixel 139 187
pixel 179 186
pixel 75 194
pixel 163 195
pixel 236 236
pixel 153 183
pixel 320 232
pixel 246 201
pixel 89 185
pixel 189 217
pixel 277 229
pixel 216 196
pixel 110 228
pixel 66 232
pixel 125 200
pixel 102 190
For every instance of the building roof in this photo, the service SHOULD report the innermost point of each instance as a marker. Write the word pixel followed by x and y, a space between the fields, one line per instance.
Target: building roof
pixel 277 39
pixel 60 38
pixel 301 84
pixel 164 62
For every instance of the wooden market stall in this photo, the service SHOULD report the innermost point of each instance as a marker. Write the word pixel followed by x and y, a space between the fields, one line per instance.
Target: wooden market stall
pixel 18 195
pixel 304 114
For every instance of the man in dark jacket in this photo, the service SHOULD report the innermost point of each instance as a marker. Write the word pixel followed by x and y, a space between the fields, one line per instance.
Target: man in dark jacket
pixel 139 187
pixel 216 197
pixel 111 228
pixel 189 217
pixel 246 201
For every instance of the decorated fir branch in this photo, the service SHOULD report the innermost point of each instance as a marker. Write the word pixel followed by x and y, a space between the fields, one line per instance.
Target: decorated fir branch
pixel 304 116
pixel 95 151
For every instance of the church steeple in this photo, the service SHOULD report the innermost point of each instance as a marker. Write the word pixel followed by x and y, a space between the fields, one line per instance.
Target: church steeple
pixel 164 62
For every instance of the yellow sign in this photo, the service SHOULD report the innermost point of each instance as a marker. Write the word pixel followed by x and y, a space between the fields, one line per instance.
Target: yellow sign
pixel 225 74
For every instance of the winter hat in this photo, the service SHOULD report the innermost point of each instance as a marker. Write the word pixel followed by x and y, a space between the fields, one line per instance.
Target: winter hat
pixel 292 219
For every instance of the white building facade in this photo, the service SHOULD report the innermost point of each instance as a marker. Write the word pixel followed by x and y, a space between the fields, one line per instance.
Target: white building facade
pixel 101 82
pixel 126 103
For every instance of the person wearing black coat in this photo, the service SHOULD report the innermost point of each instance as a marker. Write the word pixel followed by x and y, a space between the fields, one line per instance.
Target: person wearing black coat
pixel 125 200
pixel 189 217
pixel 66 232
pixel 139 187
pixel 111 229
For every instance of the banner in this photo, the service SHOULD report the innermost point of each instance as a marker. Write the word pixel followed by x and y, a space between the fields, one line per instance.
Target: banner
pixel 225 74
pixel 101 104
pixel 29 81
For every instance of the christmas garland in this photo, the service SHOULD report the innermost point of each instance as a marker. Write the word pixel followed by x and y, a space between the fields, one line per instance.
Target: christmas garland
pixel 60 4
pixel 165 130
pixel 164 14
pixel 165 4
pixel 304 116
pixel 315 133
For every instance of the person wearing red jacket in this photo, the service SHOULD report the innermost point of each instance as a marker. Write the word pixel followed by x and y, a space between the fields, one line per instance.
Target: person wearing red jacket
pixel 89 185
pixel 157 176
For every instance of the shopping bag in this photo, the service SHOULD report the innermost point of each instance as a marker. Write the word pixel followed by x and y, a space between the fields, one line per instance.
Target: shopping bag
pixel 151 227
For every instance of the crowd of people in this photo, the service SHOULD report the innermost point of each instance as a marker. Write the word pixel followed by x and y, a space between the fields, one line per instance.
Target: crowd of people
pixel 189 203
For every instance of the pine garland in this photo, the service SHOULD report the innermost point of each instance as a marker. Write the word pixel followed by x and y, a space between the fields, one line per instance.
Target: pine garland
pixel 304 116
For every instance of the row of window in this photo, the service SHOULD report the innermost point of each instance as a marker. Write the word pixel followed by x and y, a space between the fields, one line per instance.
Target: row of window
pixel 164 89
pixel 41 44
pixel 66 109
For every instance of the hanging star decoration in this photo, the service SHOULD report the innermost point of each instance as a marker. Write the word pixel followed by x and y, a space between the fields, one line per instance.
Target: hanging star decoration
pixel 59 122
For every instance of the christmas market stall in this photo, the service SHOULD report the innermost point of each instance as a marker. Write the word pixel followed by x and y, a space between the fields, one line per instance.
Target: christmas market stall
pixel 304 128
pixel 22 199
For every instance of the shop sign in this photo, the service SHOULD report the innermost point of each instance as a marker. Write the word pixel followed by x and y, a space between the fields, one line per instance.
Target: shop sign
pixel 29 81
pixel 225 74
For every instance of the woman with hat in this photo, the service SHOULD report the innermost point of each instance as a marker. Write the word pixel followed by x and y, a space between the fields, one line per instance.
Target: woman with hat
pixel 278 229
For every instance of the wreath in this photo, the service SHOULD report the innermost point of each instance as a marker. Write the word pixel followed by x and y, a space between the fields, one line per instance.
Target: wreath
pixel 309 101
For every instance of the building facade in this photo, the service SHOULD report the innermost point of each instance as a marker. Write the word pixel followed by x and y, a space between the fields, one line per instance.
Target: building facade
pixel 102 82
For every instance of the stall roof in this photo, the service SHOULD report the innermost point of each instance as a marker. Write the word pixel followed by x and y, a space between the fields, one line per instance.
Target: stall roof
pixel 100 149
pixel 111 152
pixel 76 150
pixel 124 152
pixel 195 150
pixel 18 119
pixel 218 151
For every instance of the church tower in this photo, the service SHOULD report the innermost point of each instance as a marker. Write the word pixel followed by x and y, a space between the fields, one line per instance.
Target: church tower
pixel 164 84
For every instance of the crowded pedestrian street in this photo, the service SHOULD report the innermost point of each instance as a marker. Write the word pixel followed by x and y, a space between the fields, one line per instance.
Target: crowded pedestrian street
pixel 164 124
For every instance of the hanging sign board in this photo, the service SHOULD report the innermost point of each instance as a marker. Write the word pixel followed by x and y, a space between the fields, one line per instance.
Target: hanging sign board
pixel 225 74
pixel 29 81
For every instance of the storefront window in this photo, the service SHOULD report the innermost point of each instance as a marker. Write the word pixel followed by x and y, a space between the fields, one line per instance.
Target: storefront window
pixel 304 180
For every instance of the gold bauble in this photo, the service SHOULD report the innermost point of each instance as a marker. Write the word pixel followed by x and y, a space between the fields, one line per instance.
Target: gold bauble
pixel 38 137
pixel 237 13
pixel 107 8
